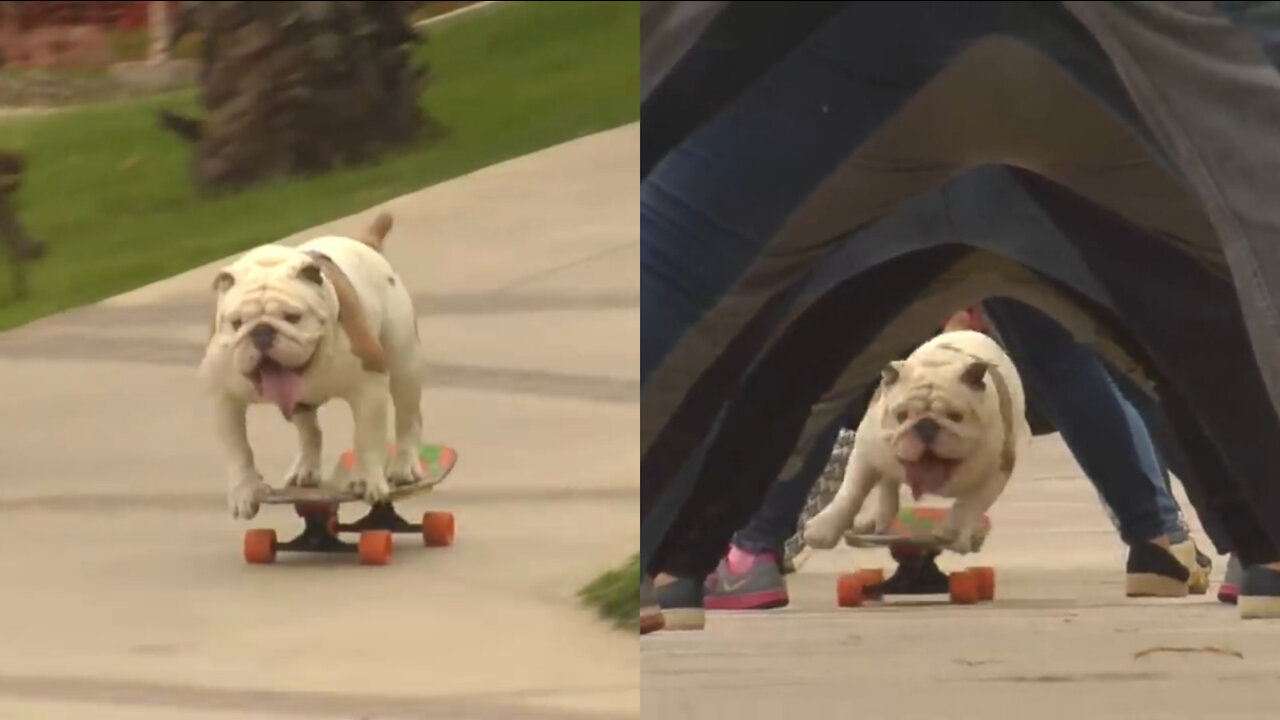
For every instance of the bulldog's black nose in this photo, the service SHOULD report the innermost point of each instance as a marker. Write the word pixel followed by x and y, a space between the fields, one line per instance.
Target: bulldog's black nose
pixel 927 430
pixel 263 336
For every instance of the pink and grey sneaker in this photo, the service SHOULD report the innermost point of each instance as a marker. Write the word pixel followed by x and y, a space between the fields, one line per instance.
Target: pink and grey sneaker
pixel 746 581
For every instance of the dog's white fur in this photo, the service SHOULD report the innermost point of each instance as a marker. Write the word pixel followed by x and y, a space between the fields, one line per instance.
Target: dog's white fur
pixel 967 387
pixel 295 292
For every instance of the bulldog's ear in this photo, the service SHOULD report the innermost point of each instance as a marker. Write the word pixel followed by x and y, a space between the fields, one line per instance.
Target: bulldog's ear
pixel 975 373
pixel 311 273
pixel 891 372
pixel 223 282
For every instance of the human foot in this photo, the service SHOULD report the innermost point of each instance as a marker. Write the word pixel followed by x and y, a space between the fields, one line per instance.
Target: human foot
pixel 746 581
pixel 681 600
pixel 1154 571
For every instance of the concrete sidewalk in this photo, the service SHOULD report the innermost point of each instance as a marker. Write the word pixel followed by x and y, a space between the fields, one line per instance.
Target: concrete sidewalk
pixel 127 595
pixel 1061 641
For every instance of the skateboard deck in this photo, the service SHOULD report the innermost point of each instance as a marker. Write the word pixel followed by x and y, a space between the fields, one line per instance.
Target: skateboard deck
pixel 318 508
pixel 914 527
pixel 437 463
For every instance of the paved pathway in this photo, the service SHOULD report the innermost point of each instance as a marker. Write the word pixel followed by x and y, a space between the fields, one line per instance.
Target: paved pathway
pixel 1060 642
pixel 126 593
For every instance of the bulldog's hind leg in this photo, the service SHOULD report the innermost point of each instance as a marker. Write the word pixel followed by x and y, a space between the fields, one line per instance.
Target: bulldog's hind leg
pixel 826 528
pixel 369 417
pixel 406 399
pixel 306 467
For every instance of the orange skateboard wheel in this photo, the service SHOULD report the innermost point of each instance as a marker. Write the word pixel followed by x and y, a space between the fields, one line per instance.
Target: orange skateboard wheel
pixel 849 590
pixel 375 547
pixel 260 547
pixel 872 580
pixel 871 576
pixel 986 577
pixel 437 529
pixel 963 587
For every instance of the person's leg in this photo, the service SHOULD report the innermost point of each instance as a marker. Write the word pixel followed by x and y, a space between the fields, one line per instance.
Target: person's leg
pixel 1156 473
pixel 1175 461
pixel 750 576
pixel 770 527
pixel 1078 396
pixel 1182 545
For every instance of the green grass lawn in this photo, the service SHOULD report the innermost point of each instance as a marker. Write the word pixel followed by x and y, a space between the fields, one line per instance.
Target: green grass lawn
pixel 110 191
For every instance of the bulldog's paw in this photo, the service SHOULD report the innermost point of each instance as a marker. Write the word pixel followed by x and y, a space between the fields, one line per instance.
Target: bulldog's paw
pixel 945 534
pixel 822 532
pixel 245 497
pixel 865 526
pixel 374 490
pixel 404 469
pixel 304 473
pixel 956 540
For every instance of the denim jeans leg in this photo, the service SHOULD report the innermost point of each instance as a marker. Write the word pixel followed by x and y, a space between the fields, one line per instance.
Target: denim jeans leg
pixel 1079 398
pixel 1175 462
pixel 776 519
pixel 1157 472
pixel 1170 513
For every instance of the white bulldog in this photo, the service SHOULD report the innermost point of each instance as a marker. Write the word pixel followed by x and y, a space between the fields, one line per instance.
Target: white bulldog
pixel 947 421
pixel 297 327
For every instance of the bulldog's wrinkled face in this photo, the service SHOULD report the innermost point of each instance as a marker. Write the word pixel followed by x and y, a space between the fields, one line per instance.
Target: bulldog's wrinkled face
pixel 934 418
pixel 273 315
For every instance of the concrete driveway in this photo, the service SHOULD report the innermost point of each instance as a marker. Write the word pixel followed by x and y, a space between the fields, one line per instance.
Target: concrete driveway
pixel 125 594
pixel 1061 640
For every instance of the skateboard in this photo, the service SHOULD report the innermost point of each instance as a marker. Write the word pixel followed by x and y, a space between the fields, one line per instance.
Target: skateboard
pixel 913 547
pixel 318 508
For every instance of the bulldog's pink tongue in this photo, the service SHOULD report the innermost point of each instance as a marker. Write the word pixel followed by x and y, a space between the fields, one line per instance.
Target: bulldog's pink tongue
pixel 927 475
pixel 282 387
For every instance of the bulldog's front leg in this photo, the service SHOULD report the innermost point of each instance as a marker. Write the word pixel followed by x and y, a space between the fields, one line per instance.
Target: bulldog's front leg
pixel 887 507
pixel 306 467
pixel 369 409
pixel 959 531
pixel 826 528
pixel 245 488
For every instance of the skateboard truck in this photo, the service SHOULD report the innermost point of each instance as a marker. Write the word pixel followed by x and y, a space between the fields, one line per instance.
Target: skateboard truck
pixel 917 574
pixel 318 532
pixel 382 516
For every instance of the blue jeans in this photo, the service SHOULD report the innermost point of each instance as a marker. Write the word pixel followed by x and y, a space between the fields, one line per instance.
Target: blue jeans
pixel 776 519
pixel 1172 460
pixel 1104 431
pixel 1157 472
